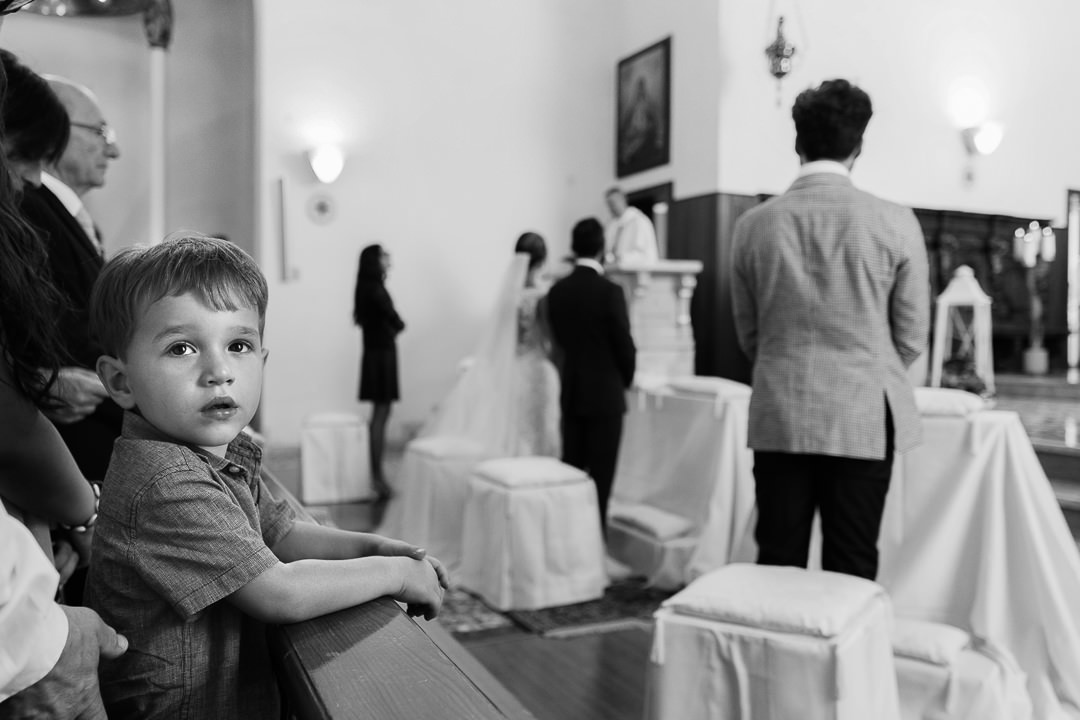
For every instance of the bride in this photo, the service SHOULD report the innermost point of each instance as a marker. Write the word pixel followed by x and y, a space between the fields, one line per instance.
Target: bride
pixel 507 397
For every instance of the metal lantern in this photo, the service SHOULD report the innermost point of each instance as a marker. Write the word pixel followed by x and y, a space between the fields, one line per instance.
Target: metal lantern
pixel 963 319
pixel 780 52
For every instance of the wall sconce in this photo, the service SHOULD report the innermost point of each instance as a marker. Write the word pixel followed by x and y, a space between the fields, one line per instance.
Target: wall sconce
pixel 982 139
pixel 327 162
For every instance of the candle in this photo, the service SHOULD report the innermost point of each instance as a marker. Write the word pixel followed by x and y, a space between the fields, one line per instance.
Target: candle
pixel 1031 250
pixel 1049 245
pixel 1018 245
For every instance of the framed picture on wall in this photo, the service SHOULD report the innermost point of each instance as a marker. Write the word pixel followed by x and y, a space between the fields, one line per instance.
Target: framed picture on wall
pixel 643 110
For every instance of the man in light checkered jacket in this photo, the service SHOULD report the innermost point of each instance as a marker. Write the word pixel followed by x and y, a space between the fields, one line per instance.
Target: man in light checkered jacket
pixel 831 302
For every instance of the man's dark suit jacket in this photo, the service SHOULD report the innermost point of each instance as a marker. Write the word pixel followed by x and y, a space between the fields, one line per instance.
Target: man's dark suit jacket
pixel 591 329
pixel 75 264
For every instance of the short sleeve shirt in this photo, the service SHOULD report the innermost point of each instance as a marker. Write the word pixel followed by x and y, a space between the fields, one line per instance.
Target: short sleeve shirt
pixel 179 530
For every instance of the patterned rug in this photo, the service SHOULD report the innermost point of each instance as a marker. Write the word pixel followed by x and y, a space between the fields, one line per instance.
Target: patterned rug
pixel 626 604
pixel 463 613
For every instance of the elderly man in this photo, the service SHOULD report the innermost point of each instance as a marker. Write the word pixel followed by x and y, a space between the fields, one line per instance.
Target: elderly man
pixel 630 236
pixel 87 419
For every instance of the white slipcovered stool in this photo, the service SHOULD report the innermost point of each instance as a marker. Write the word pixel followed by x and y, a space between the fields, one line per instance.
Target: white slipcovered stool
pixel 430 492
pixel 942 673
pixel 653 542
pixel 773 643
pixel 334 463
pixel 532 535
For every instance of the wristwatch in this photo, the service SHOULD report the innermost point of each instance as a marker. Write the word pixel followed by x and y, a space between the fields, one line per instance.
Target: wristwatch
pixel 92 520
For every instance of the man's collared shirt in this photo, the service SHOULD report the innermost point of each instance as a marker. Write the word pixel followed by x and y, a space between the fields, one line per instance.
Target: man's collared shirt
pixel 67 197
pixel 823 166
pixel 74 205
pixel 180 530
pixel 590 263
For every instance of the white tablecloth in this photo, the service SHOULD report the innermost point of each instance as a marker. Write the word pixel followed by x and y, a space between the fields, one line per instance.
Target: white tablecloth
pixel 687 455
pixel 972 536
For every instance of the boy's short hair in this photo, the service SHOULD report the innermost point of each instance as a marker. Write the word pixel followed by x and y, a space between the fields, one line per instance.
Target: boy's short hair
pixel 219 273
pixel 830 120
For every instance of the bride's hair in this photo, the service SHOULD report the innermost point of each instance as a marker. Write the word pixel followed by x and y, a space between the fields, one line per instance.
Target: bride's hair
pixel 533 245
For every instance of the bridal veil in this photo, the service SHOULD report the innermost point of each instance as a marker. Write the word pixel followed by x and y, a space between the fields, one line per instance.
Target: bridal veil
pixel 482 405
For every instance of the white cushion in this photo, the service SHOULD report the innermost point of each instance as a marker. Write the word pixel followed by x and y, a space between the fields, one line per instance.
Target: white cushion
pixel 947 401
pixel 522 472
pixel 447 446
pixel 784 599
pixel 928 641
pixel 704 385
pixel 652 521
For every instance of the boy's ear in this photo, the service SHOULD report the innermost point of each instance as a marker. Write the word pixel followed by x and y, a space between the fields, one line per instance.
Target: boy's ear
pixel 113 376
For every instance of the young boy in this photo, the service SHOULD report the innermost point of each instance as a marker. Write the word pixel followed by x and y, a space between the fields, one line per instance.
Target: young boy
pixel 191 554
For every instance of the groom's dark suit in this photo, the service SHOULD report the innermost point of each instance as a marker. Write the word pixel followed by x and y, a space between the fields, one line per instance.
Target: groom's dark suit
pixel 75 264
pixel 596 354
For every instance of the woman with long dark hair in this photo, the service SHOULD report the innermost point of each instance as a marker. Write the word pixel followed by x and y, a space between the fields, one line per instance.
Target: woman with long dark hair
pixel 37 473
pixel 374 312
pixel 38 476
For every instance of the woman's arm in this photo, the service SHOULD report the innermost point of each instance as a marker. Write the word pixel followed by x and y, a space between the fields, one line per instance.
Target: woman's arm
pixel 386 307
pixel 37 471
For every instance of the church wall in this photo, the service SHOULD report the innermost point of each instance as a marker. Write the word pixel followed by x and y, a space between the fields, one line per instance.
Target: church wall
pixel 695 92
pixel 209 95
pixel 109 56
pixel 913 59
pixel 468 122
pixel 464 124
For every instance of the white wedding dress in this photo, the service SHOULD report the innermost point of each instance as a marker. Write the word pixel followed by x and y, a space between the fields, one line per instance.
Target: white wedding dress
pixel 536 382
pixel 507 397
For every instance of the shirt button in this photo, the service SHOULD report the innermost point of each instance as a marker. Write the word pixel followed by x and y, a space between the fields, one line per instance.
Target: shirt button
pixel 234 470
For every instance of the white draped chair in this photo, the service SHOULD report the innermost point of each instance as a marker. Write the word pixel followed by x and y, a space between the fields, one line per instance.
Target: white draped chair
pixel 532 535
pixel 773 643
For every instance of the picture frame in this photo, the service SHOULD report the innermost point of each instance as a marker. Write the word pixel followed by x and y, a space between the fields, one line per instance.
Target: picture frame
pixel 643 110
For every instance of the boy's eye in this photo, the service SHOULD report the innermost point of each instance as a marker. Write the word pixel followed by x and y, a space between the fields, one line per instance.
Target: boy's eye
pixel 179 349
pixel 240 346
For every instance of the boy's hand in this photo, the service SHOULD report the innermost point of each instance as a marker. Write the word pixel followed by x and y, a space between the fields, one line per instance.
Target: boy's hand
pixel 421 590
pixel 391 547
pixel 440 571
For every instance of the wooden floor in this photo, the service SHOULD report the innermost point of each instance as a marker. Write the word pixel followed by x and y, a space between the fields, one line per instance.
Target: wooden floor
pixel 590 677
pixel 594 677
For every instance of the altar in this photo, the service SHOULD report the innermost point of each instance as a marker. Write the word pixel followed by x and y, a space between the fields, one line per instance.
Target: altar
pixel 972 534
pixel 658 301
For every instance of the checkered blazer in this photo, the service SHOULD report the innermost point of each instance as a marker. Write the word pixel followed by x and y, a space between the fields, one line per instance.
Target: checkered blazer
pixel 831 299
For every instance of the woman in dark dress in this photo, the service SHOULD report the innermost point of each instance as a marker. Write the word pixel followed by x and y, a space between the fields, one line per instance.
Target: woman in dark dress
pixel 373 311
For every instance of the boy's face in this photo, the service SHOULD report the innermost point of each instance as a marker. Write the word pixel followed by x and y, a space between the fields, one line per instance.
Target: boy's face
pixel 192 372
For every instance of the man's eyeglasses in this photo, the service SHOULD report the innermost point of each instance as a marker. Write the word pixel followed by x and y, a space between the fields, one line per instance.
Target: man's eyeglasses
pixel 9 6
pixel 107 133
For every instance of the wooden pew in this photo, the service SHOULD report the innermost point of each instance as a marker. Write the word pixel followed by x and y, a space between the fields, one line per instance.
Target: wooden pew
pixel 374 661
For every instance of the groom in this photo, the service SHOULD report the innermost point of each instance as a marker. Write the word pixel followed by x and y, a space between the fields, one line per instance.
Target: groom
pixel 595 355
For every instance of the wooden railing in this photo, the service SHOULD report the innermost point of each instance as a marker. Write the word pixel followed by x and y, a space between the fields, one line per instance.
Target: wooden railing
pixel 374 661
